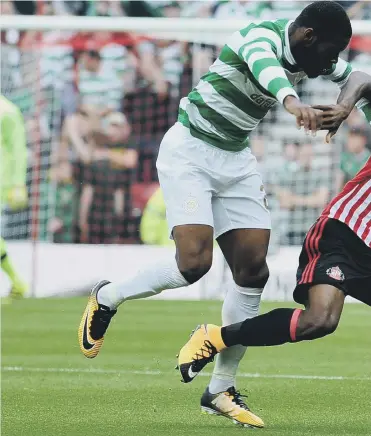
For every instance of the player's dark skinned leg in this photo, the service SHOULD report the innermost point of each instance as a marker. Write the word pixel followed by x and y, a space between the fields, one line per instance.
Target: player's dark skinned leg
pixel 245 251
pixel 194 250
pixel 322 313
pixel 319 318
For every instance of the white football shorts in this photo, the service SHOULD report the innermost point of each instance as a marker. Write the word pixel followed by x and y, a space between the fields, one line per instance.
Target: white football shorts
pixel 203 184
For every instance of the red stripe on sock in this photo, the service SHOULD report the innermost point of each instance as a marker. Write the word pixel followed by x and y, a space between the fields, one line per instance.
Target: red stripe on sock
pixel 294 323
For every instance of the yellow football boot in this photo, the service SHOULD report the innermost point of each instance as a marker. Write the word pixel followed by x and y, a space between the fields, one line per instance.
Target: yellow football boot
pixel 230 405
pixel 94 323
pixel 205 342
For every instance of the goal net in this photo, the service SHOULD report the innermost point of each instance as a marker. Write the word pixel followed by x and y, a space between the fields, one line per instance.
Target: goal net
pixel 97 102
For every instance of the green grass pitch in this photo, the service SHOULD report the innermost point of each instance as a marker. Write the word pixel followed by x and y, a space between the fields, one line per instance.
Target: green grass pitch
pixel 132 389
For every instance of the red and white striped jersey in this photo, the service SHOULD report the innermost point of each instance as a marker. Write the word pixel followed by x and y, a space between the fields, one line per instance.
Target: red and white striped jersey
pixel 353 205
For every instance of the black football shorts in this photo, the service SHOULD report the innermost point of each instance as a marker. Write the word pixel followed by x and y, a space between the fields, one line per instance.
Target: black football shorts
pixel 333 254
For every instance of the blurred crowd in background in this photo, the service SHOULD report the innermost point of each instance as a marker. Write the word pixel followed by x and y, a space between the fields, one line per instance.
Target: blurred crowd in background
pixel 97 104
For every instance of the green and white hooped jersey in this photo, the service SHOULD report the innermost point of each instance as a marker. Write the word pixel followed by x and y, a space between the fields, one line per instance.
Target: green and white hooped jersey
pixel 254 70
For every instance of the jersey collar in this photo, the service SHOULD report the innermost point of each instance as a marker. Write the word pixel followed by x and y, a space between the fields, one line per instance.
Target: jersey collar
pixel 286 47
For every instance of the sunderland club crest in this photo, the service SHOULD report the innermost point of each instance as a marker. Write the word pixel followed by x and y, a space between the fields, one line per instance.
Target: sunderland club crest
pixel 335 273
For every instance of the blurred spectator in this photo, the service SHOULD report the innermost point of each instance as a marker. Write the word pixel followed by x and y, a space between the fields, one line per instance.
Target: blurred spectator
pixel 56 60
pixel 76 139
pixel 355 155
pixel 154 229
pixel 71 7
pixel 46 7
pixel 117 57
pixel 264 10
pixel 160 62
pixel 356 9
pixel 142 8
pixel 105 194
pixel 10 54
pixel 24 7
pixel 153 108
pixel 241 9
pixel 151 69
pixel 62 225
pixel 290 155
pixel 96 85
pixel 200 9
pixel 284 9
pixel 7 8
pixel 355 119
pixel 104 8
pixel 303 191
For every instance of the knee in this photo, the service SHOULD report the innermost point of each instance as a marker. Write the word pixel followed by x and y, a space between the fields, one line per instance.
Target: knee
pixel 320 325
pixel 194 262
pixel 251 272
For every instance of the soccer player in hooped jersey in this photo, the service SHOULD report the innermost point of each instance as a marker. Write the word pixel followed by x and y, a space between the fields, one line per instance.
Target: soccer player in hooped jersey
pixel 211 185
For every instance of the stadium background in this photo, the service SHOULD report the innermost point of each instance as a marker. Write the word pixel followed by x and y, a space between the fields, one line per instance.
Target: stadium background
pixel 96 105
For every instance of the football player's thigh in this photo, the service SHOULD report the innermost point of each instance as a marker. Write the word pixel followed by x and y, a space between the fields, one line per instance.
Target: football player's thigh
pixel 241 206
pixel 187 195
pixel 185 184
pixel 242 227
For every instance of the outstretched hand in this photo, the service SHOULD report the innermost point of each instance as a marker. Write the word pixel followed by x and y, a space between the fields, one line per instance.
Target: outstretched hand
pixel 306 115
pixel 332 118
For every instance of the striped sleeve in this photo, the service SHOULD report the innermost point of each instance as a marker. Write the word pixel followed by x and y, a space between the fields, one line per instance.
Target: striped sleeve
pixel 261 51
pixel 340 73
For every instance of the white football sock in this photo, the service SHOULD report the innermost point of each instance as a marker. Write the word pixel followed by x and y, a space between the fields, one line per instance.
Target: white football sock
pixel 147 282
pixel 239 304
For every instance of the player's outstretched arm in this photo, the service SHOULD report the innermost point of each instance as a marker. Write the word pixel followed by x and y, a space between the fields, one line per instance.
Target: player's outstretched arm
pixel 358 87
pixel 355 91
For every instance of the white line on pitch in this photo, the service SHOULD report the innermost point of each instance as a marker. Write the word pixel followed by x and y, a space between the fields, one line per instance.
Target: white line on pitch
pixel 155 373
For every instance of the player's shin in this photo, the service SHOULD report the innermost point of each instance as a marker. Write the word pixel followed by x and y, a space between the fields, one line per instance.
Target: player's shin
pixel 240 304
pixel 145 283
pixel 273 328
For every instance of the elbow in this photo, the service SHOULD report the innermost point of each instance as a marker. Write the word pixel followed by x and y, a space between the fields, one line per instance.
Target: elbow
pixel 364 81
